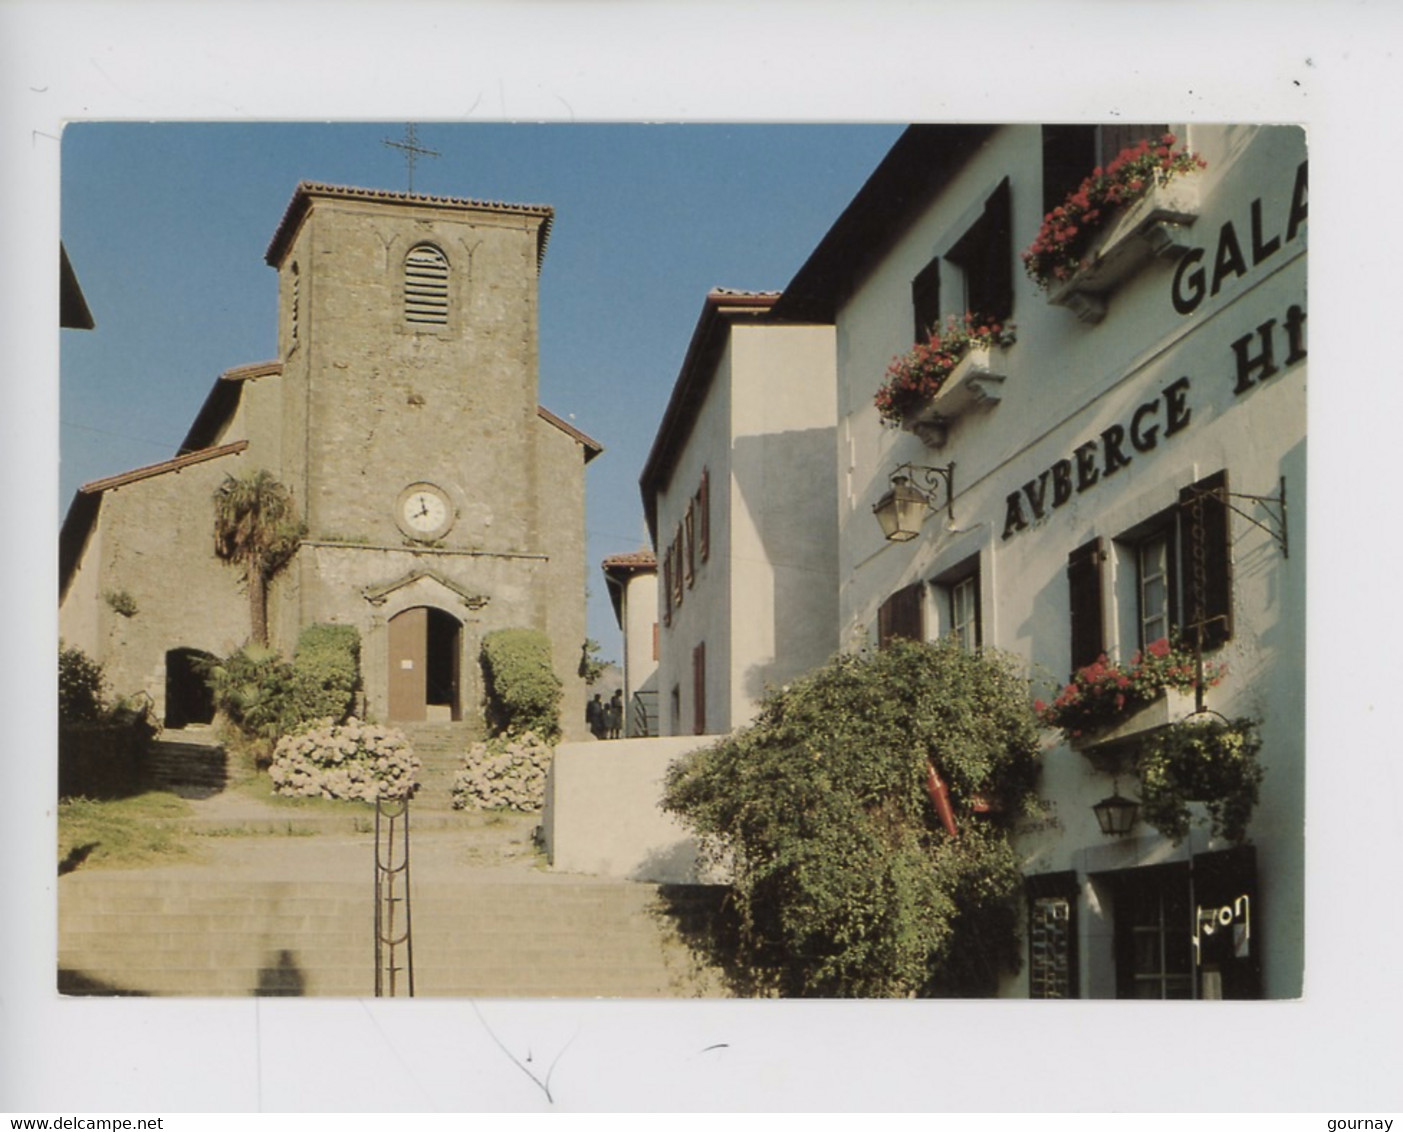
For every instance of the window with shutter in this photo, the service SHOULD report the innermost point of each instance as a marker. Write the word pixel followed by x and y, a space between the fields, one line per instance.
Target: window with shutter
pixel 1084 584
pixel 958 604
pixel 1206 562
pixel 667 587
pixel 925 299
pixel 704 516
pixel 1071 153
pixel 901 615
pixel 984 256
pixel 699 689
pixel 426 286
pixel 690 557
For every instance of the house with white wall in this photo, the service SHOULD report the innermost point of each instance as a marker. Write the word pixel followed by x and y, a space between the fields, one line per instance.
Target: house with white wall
pixel 737 491
pixel 1131 468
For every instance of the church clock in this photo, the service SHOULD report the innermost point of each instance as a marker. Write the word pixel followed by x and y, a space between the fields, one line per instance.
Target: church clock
pixel 424 512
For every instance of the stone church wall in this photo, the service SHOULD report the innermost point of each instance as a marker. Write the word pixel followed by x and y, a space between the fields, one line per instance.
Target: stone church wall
pixel 154 541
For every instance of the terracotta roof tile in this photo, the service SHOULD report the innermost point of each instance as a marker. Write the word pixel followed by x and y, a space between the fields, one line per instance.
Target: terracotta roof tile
pixel 633 561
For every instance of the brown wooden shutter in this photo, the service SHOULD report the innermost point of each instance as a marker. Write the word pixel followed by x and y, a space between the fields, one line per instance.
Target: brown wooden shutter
pixel 901 615
pixel 699 689
pixel 925 299
pixel 667 587
pixel 1120 136
pixel 1084 584
pixel 1206 538
pixel 704 516
pixel 690 556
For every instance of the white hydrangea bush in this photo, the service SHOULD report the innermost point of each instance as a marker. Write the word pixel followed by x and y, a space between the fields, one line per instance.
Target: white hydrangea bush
pixel 508 772
pixel 351 761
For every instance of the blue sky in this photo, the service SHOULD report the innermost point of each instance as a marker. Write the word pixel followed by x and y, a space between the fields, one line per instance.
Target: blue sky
pixel 167 223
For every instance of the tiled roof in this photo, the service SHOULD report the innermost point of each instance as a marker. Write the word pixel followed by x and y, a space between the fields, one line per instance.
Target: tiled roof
pixel 174 464
pixel 592 447
pixel 631 562
pixel 253 370
pixel 301 197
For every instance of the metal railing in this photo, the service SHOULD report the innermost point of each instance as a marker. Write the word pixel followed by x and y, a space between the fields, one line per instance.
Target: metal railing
pixel 643 715
pixel 389 873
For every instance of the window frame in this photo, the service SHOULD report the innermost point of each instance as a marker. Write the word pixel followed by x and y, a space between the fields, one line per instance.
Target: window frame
pixel 982 258
pixel 962 581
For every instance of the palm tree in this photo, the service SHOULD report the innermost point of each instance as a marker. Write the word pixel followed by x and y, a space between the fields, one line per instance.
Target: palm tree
pixel 255 528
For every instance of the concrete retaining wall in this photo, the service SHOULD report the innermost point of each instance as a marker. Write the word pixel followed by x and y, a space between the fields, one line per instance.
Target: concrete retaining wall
pixel 602 814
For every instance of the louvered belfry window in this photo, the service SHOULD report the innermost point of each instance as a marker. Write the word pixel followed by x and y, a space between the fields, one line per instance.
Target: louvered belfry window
pixel 426 286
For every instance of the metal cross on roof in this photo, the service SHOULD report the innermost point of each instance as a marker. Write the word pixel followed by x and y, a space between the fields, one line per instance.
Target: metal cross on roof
pixel 411 148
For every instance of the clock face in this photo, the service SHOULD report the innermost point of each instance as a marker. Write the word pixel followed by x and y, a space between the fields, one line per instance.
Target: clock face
pixel 424 512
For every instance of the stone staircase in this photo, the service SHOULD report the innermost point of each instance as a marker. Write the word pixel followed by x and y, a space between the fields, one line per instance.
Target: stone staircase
pixel 441 749
pixel 537 937
pixel 190 763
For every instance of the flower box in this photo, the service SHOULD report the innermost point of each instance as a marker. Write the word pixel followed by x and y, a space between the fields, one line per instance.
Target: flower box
pixel 975 381
pixel 1150 227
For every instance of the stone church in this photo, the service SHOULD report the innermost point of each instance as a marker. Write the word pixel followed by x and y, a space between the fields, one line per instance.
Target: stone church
pixel 441 501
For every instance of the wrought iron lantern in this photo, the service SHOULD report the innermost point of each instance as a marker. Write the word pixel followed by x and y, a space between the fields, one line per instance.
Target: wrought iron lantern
pixel 1116 815
pixel 902 510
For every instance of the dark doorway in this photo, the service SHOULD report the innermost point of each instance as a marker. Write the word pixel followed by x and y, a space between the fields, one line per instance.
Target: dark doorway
pixel 188 696
pixel 441 697
pixel 424 665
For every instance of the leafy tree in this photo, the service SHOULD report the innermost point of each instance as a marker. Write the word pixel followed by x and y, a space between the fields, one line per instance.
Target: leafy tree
pixel 591 664
pixel 846 882
pixel 255 528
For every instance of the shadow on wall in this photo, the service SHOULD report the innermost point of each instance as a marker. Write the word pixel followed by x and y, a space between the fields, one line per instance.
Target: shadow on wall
pixel 283 979
pixel 787 483
pixel 670 862
pixel 79 983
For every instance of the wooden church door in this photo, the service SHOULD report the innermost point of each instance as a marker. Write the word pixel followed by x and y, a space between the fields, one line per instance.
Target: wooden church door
pixel 409 665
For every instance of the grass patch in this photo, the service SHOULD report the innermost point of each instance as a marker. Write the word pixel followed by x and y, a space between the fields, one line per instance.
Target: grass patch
pixel 119 833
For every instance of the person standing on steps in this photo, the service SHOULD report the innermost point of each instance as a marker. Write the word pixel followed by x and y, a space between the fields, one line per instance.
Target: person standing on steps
pixel 616 713
pixel 595 716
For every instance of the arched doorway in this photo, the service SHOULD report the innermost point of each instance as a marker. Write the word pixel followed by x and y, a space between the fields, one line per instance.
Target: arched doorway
pixel 188 696
pixel 425 647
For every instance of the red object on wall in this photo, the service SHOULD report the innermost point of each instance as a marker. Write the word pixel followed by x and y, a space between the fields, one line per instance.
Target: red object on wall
pixel 940 799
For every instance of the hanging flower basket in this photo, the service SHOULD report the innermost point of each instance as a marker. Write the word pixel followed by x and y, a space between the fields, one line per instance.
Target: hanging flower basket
pixel 938 379
pixel 1207 759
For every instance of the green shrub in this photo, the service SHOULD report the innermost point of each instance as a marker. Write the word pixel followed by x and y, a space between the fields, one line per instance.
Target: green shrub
pixel 522 689
pixel 326 671
pixel 846 882
pixel 254 689
pixel 101 744
pixel 264 697
pixel 81 687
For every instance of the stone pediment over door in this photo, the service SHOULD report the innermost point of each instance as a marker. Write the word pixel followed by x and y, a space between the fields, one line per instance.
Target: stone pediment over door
pixel 420 586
